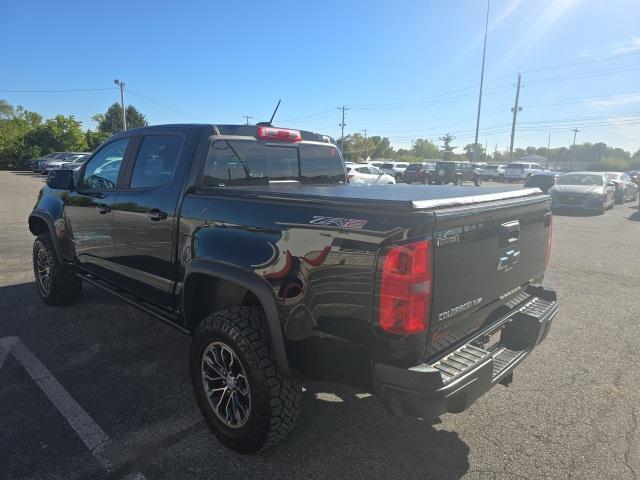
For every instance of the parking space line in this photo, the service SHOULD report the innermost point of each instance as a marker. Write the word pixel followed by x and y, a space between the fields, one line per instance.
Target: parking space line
pixel 91 434
pixel 3 353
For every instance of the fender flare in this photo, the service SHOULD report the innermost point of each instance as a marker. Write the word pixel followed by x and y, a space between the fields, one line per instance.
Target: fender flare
pixel 255 285
pixel 48 220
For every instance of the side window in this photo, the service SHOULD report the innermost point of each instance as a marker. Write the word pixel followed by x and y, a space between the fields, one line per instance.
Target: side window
pixel 156 161
pixel 232 162
pixel 362 170
pixel 103 168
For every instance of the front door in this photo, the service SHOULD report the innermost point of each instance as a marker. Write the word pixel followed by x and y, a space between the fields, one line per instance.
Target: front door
pixel 89 209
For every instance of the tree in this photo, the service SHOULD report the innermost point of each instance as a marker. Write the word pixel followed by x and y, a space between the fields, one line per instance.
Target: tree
pixel 94 139
pixel 60 133
pixel 469 151
pixel 447 148
pixel 111 121
pixel 425 149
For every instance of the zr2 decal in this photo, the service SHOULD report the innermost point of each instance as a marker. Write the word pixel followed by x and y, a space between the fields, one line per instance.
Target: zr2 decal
pixel 338 222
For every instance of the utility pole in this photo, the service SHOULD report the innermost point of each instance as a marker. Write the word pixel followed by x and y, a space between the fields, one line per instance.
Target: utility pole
pixel 412 143
pixel 515 111
pixel 365 144
pixel 484 51
pixel 247 117
pixel 342 125
pixel 120 83
pixel 548 152
pixel 573 147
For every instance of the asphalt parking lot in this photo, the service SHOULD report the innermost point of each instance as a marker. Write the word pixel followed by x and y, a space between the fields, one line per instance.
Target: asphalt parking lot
pixel 101 390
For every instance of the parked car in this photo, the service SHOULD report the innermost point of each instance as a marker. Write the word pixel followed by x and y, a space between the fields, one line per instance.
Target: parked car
pixel 626 189
pixel 417 173
pixel 493 172
pixel 58 163
pixel 543 180
pixel 589 191
pixel 514 172
pixel 76 163
pixel 368 174
pixel 254 244
pixel 38 162
pixel 57 159
pixel 456 173
pixel 395 169
pixel 635 176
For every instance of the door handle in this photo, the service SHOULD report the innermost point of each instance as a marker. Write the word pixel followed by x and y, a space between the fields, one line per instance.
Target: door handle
pixel 156 214
pixel 102 209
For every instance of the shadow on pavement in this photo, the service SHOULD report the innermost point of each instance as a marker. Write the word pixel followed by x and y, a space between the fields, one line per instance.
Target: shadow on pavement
pixel 131 373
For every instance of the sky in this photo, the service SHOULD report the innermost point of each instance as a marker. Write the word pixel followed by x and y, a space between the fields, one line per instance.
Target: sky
pixel 404 69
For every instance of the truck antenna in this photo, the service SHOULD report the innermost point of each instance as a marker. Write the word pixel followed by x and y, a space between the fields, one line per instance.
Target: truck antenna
pixel 274 112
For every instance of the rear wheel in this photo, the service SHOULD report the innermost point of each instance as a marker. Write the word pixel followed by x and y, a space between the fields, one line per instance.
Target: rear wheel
pixel 398 178
pixel 56 282
pixel 245 401
pixel 477 182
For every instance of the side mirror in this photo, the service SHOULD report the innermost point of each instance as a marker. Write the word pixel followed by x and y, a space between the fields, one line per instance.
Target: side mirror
pixel 60 179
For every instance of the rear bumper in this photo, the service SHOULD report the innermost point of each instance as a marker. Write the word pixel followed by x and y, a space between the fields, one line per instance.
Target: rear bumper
pixel 452 383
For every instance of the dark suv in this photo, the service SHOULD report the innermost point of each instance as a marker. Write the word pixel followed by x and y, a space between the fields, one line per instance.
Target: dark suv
pixel 456 173
pixel 417 172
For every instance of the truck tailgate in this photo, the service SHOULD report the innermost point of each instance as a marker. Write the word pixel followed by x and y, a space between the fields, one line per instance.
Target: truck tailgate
pixel 483 257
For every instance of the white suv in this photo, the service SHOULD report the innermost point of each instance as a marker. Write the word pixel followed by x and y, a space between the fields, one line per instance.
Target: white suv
pixel 368 174
pixel 521 171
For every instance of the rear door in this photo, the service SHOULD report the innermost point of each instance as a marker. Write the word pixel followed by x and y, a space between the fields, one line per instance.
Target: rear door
pixel 145 215
pixel 483 255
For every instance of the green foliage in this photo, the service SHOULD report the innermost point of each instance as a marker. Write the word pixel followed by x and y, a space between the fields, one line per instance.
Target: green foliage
pixel 111 121
pixel 447 147
pixel 60 133
pixel 425 149
pixel 611 165
pixel 94 139
pixel 469 152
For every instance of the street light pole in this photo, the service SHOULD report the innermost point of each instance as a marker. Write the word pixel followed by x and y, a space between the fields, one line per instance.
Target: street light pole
pixel 484 51
pixel 120 83
pixel 573 147
pixel 247 117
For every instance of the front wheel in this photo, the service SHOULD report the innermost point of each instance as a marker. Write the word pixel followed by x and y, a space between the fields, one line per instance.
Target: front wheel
pixel 56 282
pixel 245 401
pixel 477 182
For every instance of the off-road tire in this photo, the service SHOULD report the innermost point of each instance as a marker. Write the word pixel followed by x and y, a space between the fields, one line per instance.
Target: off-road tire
pixel 64 286
pixel 276 401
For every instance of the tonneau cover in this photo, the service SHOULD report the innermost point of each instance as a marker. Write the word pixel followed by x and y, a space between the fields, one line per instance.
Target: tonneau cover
pixel 402 196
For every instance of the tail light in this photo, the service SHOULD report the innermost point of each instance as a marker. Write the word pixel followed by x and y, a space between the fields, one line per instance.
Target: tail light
pixel 405 288
pixel 548 220
pixel 279 134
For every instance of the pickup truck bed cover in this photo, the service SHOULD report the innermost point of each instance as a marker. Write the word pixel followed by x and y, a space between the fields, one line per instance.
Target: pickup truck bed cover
pixel 401 196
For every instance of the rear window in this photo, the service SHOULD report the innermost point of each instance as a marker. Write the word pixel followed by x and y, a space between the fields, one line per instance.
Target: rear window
pixel 245 162
pixel 515 165
pixel 491 167
pixel 414 167
pixel 445 165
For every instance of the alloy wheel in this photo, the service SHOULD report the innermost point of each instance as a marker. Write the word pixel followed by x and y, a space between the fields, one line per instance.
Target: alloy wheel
pixel 43 265
pixel 226 385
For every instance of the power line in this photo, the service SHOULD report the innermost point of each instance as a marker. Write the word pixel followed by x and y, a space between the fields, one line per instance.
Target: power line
pixel 72 90
pixel 163 105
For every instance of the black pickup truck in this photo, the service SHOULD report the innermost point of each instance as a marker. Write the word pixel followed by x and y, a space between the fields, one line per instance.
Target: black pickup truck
pixel 251 239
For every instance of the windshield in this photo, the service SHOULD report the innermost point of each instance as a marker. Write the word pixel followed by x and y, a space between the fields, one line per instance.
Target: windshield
pixel 445 166
pixel 584 179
